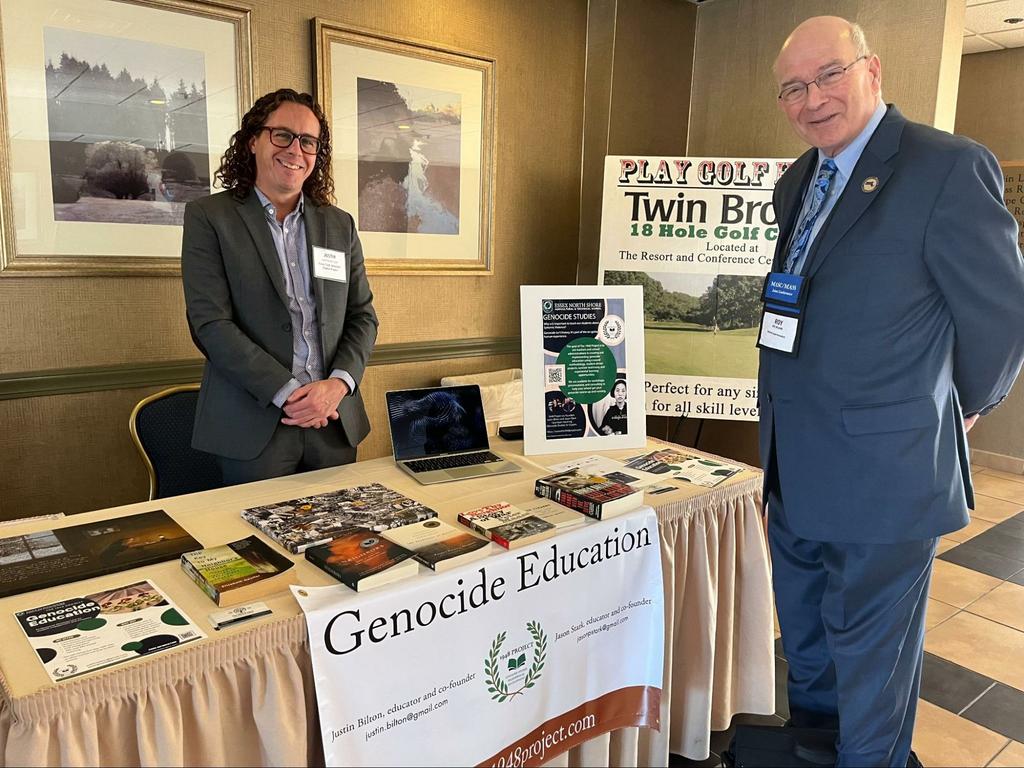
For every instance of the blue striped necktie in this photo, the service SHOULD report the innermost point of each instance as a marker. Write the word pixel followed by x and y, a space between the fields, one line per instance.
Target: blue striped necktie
pixel 826 174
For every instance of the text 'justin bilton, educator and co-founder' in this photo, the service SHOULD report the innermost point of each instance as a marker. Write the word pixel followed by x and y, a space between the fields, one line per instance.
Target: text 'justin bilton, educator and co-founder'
pixel 277 299
pixel 898 263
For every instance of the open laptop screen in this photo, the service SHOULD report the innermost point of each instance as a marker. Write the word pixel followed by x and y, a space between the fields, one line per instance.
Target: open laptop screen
pixel 431 422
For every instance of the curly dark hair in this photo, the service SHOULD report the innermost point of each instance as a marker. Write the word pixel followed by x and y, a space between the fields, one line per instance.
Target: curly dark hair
pixel 237 170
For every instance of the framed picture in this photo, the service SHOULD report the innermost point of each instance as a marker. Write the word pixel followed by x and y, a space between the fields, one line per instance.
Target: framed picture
pixel 113 115
pixel 412 132
pixel 583 368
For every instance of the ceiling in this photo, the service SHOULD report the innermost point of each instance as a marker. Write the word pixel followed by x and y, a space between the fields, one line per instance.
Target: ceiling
pixel 985 28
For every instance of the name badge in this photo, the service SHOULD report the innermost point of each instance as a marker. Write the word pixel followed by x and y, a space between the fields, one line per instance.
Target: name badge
pixel 785 298
pixel 329 265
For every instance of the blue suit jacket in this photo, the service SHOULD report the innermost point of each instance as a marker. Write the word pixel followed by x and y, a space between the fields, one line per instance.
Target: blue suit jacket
pixel 915 315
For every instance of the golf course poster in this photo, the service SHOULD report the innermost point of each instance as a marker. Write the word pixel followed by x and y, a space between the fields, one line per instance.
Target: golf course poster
pixel 699 234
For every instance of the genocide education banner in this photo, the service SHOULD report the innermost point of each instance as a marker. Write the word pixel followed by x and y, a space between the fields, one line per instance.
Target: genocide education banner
pixel 509 661
pixel 699 234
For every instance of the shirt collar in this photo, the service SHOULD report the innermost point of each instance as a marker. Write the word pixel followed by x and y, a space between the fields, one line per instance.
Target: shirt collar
pixel 268 207
pixel 847 159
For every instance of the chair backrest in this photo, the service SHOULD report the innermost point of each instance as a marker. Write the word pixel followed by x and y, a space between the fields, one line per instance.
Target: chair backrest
pixel 161 428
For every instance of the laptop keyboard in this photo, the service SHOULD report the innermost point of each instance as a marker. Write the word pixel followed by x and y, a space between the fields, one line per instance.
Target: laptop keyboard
pixel 451 462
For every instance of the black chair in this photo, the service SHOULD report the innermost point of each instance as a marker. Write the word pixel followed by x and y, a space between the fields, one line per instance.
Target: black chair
pixel 161 428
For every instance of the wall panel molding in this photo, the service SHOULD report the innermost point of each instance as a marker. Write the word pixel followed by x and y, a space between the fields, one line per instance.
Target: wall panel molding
pixel 63 381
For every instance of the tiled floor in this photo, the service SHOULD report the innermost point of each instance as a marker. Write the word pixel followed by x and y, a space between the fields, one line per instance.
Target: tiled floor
pixel 971 711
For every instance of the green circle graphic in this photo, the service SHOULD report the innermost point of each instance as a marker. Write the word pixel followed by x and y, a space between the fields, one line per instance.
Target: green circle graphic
pixel 87 624
pixel 134 646
pixel 172 617
pixel 589 370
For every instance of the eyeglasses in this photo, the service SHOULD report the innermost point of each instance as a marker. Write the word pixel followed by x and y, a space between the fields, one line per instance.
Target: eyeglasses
pixel 283 138
pixel 831 77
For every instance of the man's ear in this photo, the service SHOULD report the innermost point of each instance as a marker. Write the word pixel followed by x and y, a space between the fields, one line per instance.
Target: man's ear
pixel 875 68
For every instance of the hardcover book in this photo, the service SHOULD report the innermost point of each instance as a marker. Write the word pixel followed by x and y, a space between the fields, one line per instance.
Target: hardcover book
pixel 363 559
pixel 594 495
pixel 237 572
pixel 302 523
pixel 47 558
pixel 438 545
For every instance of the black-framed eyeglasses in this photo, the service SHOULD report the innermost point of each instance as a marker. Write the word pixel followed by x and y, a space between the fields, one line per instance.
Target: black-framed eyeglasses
pixel 831 77
pixel 283 138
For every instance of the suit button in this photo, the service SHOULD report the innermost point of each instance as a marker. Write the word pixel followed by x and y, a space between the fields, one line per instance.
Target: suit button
pixel 287 327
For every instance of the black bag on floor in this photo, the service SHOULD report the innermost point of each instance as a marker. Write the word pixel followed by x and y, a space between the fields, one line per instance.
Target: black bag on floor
pixel 769 746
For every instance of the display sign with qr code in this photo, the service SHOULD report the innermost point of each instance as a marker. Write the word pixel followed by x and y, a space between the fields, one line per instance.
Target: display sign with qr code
pixel 83 634
pixel 582 348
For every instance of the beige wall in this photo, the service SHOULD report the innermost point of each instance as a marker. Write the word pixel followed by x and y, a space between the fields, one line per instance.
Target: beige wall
pixel 734 108
pixel 991 104
pixel 72 452
pixel 639 72
pixel 991 110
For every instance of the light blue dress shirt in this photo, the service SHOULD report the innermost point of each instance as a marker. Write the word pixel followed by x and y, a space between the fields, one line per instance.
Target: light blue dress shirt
pixel 290 243
pixel 845 162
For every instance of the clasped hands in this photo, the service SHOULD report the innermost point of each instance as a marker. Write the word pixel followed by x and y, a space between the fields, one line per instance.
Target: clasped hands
pixel 314 404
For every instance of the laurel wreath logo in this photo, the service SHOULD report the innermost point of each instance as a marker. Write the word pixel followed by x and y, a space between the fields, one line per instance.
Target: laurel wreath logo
pixel 496 684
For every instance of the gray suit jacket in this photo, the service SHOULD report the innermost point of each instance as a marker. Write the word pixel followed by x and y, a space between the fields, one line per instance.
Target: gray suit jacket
pixel 237 308
pixel 915 313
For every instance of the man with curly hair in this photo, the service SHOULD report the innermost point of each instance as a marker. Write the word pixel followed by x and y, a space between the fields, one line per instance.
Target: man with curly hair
pixel 277 300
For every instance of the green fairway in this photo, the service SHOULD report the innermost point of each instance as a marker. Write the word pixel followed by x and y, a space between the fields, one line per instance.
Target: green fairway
pixel 693 352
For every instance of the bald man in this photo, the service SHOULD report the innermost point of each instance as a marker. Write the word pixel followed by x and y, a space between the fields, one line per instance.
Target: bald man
pixel 908 324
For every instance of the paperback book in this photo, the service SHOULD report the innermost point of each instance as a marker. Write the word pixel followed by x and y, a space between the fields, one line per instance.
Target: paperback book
pixel 613 469
pixel 594 495
pixel 438 545
pixel 506 525
pixel 363 559
pixel 83 634
pixel 48 558
pixel 302 523
pixel 512 526
pixel 684 466
pixel 237 572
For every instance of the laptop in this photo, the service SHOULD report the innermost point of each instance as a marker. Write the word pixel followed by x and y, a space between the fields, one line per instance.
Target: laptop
pixel 439 434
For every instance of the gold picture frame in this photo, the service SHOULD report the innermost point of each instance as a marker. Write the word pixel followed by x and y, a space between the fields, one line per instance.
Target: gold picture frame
pixel 99 151
pixel 412 128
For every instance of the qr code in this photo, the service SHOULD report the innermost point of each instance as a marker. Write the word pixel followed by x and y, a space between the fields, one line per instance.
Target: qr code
pixel 554 374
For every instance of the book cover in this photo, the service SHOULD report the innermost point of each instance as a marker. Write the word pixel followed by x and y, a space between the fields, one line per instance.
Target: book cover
pixel 552 512
pixel 509 526
pixel 60 556
pixel 83 634
pixel 685 466
pixel 363 559
pixel 593 495
pixel 438 545
pixel 311 520
pixel 236 572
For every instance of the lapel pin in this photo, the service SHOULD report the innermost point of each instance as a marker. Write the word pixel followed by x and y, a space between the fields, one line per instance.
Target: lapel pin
pixel 870 184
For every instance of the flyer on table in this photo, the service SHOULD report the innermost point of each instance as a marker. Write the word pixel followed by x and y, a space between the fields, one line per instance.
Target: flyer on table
pixel 83 634
pixel 583 363
pixel 699 234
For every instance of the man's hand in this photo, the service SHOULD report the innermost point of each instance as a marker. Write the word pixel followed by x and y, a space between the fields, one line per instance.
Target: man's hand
pixel 314 404
pixel 969 422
